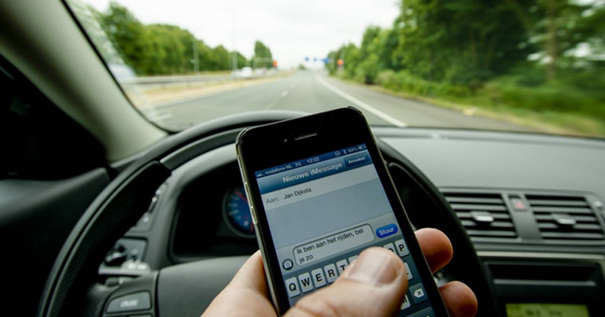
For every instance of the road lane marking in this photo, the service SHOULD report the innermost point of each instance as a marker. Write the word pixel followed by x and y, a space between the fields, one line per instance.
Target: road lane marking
pixel 362 104
pixel 274 103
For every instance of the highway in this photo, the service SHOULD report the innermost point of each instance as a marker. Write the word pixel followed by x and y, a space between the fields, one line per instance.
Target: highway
pixel 308 91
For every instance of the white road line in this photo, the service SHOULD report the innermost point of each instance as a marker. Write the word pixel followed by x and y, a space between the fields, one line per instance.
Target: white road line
pixel 362 104
pixel 283 94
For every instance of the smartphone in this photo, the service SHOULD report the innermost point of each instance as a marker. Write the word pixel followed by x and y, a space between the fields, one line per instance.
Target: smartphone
pixel 319 194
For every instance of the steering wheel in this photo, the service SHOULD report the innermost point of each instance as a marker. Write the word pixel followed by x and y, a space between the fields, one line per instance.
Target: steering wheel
pixel 73 289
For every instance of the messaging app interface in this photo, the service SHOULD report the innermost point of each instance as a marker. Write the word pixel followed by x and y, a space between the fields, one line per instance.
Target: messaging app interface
pixel 323 212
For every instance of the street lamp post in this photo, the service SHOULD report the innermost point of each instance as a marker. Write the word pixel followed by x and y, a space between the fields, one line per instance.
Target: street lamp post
pixel 234 53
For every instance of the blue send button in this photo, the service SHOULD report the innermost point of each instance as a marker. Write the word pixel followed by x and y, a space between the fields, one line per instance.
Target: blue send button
pixel 386 231
pixel 357 160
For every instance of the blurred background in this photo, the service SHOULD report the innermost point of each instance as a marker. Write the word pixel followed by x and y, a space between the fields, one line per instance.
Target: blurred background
pixel 514 65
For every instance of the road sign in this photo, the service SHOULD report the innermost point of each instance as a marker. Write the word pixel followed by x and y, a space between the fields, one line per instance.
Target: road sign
pixel 340 62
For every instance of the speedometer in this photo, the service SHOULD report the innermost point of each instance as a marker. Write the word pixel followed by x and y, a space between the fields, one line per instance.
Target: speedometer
pixel 237 213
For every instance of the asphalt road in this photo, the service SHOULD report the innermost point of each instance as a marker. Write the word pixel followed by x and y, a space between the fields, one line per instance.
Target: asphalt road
pixel 308 91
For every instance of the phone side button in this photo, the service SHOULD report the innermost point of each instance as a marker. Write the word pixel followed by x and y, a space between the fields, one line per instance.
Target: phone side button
pixel 247 190
pixel 292 287
pixel 253 213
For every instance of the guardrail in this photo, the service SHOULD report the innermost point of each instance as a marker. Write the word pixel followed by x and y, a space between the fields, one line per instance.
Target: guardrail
pixel 178 81
pixel 156 80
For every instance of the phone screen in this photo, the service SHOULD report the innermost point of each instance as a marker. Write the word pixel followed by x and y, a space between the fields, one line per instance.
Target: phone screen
pixel 325 210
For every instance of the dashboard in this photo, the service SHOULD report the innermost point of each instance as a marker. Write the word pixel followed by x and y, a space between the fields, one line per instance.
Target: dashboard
pixel 215 201
pixel 532 205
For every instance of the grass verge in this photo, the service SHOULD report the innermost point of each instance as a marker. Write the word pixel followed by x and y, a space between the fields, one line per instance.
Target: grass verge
pixel 546 121
pixel 150 98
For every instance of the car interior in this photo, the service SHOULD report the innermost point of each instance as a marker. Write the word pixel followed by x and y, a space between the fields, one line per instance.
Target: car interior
pixel 97 203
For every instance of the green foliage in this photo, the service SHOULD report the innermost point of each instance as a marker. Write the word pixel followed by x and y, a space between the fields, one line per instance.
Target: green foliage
pixel 221 58
pixel 543 56
pixel 346 52
pixel 169 51
pixel 262 56
pixel 368 62
pixel 552 97
pixel 468 42
pixel 160 49
pixel 368 69
pixel 461 42
pixel 241 60
pixel 578 92
pixel 404 81
pixel 128 35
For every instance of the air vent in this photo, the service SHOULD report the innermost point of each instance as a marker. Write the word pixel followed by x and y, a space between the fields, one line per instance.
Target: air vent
pixel 483 215
pixel 565 218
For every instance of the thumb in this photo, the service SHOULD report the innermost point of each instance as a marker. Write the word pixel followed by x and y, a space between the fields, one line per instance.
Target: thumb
pixel 373 285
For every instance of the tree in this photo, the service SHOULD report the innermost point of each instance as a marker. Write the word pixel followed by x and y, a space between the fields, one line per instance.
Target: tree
pixel 205 56
pixel 222 58
pixel 242 61
pixel 349 55
pixel 262 55
pixel 173 48
pixel 159 49
pixel 461 42
pixel 128 36
pixel 558 27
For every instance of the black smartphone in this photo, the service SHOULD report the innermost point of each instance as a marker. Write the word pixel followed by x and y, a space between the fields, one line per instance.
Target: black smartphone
pixel 319 194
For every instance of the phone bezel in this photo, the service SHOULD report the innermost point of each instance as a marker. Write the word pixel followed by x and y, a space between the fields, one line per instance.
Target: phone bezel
pixel 279 143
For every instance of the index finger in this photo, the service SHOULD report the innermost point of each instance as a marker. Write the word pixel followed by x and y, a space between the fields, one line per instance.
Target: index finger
pixel 436 247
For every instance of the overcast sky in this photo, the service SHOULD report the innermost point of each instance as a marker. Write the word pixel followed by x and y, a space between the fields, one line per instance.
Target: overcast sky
pixel 291 29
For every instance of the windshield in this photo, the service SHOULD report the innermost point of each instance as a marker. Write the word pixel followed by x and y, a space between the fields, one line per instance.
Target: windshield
pixel 514 65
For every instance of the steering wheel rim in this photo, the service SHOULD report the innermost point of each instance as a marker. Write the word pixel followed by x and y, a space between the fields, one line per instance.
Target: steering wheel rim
pixel 71 288
pixel 465 261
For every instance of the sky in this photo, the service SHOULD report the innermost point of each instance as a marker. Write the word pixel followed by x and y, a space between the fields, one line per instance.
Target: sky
pixel 292 30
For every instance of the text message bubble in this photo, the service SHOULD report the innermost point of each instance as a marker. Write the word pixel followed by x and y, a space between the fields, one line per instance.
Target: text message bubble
pixel 332 244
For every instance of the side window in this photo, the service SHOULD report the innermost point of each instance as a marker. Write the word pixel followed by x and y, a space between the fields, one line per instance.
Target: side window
pixel 38 140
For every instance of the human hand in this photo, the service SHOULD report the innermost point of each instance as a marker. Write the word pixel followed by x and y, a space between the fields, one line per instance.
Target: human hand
pixel 373 285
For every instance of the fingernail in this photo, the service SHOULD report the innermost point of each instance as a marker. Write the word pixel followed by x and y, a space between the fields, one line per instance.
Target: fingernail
pixel 374 266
